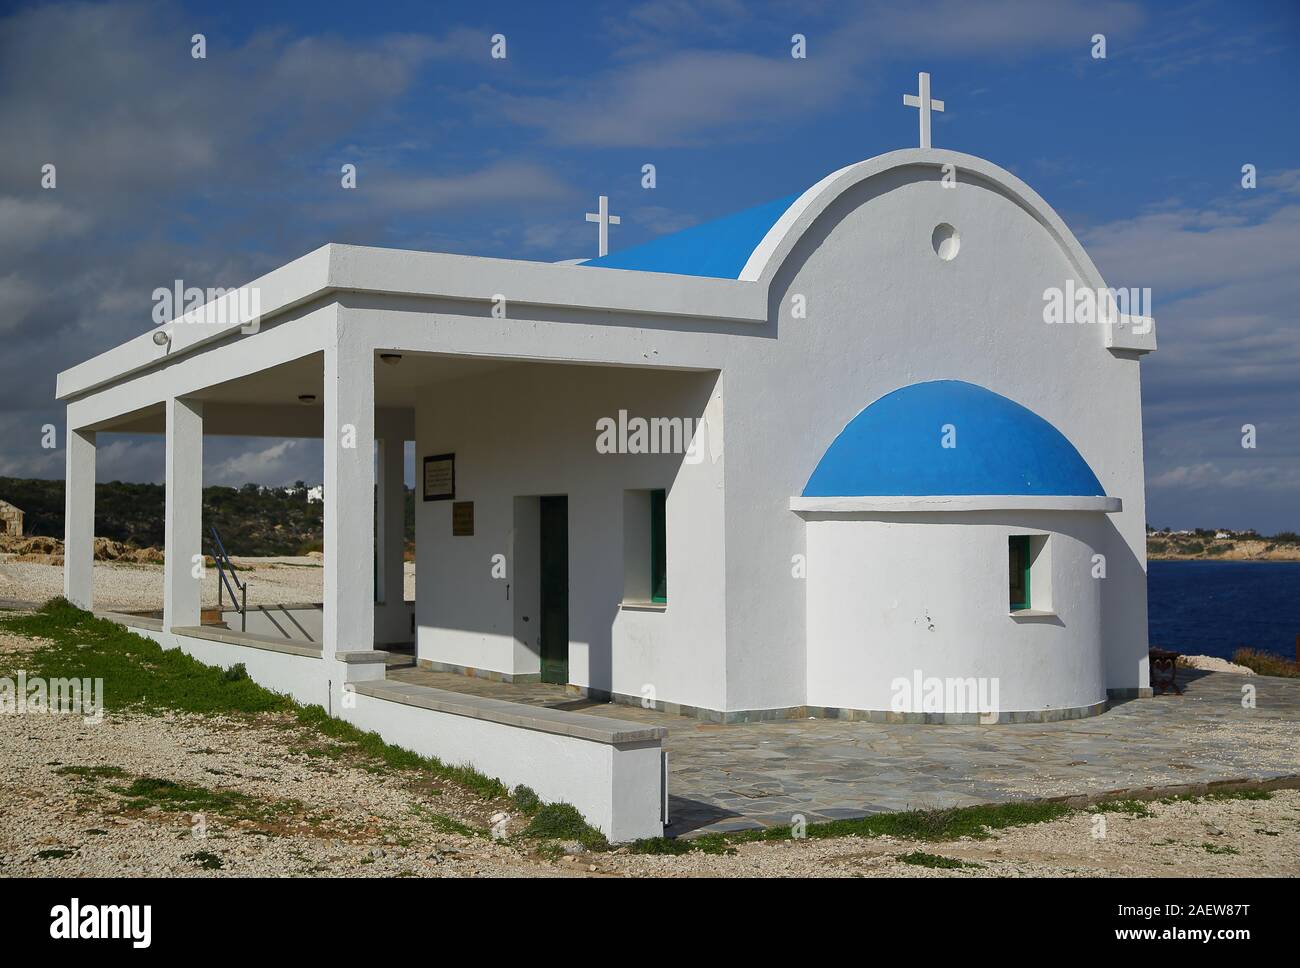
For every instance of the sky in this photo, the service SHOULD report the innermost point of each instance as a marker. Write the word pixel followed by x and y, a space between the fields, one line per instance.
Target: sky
pixel 216 170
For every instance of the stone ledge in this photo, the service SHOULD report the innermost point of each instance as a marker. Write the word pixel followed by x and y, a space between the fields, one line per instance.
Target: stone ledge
pixel 596 729
pixel 960 719
pixel 734 716
pixel 362 656
pixel 248 640
pixel 131 621
pixel 489 675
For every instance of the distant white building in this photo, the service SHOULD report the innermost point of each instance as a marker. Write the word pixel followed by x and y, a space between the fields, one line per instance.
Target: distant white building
pixel 315 495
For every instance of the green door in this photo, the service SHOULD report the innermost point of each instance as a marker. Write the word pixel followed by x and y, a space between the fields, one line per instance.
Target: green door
pixel 555 589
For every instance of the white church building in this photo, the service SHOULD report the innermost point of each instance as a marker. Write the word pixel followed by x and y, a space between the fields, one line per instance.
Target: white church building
pixel 776 465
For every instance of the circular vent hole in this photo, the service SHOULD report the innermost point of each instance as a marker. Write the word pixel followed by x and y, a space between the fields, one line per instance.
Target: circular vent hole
pixel 946 241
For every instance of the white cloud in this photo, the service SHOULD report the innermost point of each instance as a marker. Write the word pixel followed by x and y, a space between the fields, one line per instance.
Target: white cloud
pixel 270 464
pixel 495 185
pixel 22 220
pixel 683 98
pixel 1211 475
pixel 18 297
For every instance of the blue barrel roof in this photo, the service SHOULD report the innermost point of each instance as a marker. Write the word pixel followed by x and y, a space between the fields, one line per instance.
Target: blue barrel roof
pixel 718 249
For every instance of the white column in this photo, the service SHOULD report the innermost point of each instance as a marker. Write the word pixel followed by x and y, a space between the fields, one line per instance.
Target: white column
pixel 183 525
pixel 349 438
pixel 79 519
pixel 391 621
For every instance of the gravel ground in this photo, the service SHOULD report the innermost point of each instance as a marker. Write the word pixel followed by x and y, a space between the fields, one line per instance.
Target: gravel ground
pixel 311 813
pixel 1209 838
pixel 120 586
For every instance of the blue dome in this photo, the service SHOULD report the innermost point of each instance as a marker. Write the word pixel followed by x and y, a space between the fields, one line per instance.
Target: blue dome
pixel 718 249
pixel 894 447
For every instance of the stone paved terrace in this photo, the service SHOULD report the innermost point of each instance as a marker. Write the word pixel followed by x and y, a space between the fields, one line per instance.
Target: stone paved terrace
pixel 729 777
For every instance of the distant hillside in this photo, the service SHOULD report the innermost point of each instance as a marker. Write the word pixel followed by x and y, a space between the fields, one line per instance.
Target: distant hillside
pixel 1234 546
pixel 252 521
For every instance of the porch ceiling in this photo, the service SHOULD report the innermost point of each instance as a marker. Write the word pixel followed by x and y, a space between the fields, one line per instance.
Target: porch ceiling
pixel 267 404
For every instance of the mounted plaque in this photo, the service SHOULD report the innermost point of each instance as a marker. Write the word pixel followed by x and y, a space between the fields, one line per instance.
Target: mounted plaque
pixel 462 519
pixel 440 477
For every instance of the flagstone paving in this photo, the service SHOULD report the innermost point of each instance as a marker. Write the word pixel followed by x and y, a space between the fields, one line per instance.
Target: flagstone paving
pixel 743 775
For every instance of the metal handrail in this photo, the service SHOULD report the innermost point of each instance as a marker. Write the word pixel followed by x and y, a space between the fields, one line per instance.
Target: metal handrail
pixel 223 562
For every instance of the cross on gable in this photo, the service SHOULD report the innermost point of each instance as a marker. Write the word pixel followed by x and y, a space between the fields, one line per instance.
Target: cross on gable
pixel 923 101
pixel 606 220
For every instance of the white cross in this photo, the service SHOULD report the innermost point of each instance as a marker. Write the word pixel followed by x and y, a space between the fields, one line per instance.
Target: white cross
pixel 605 220
pixel 925 103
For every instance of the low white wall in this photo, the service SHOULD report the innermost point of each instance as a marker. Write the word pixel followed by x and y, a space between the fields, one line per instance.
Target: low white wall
pixel 297 623
pixel 892 594
pixel 299 676
pixel 616 787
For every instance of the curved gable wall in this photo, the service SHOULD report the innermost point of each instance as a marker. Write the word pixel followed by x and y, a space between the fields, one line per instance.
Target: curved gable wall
pixel 882 310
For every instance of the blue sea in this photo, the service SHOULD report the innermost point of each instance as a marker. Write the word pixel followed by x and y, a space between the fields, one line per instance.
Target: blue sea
pixel 1215 607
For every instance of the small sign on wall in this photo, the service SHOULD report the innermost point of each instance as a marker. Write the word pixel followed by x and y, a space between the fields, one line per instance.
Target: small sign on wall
pixel 462 519
pixel 440 477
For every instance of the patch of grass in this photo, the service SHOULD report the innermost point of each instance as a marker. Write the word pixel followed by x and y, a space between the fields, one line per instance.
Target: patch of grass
pixel 150 791
pixel 1220 795
pixel 929 825
pixel 1219 849
pixel 372 746
pixel 1134 808
pixel 549 850
pixel 706 844
pixel 934 825
pixel 447 825
pixel 235 673
pixel 919 858
pixel 137 673
pixel 562 821
pixel 93 772
pixel 1266 663
pixel 54 853
pixel 205 860
pixel 526 800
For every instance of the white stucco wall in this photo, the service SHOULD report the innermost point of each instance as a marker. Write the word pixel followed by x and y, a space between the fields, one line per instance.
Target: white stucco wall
pixel 883 311
pixel 616 788
pixel 889 595
pixel 531 430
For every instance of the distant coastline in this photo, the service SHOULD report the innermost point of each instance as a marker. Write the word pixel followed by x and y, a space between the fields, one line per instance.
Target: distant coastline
pixel 1216 546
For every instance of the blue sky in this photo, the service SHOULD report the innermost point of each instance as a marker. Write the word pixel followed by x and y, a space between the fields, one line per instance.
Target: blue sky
pixel 215 171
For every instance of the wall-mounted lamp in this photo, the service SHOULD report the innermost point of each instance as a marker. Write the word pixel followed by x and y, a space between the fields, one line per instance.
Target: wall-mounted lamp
pixel 307 398
pixel 161 337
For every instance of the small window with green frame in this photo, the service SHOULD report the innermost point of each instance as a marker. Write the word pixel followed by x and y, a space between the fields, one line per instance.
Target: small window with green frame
pixel 658 553
pixel 1018 557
